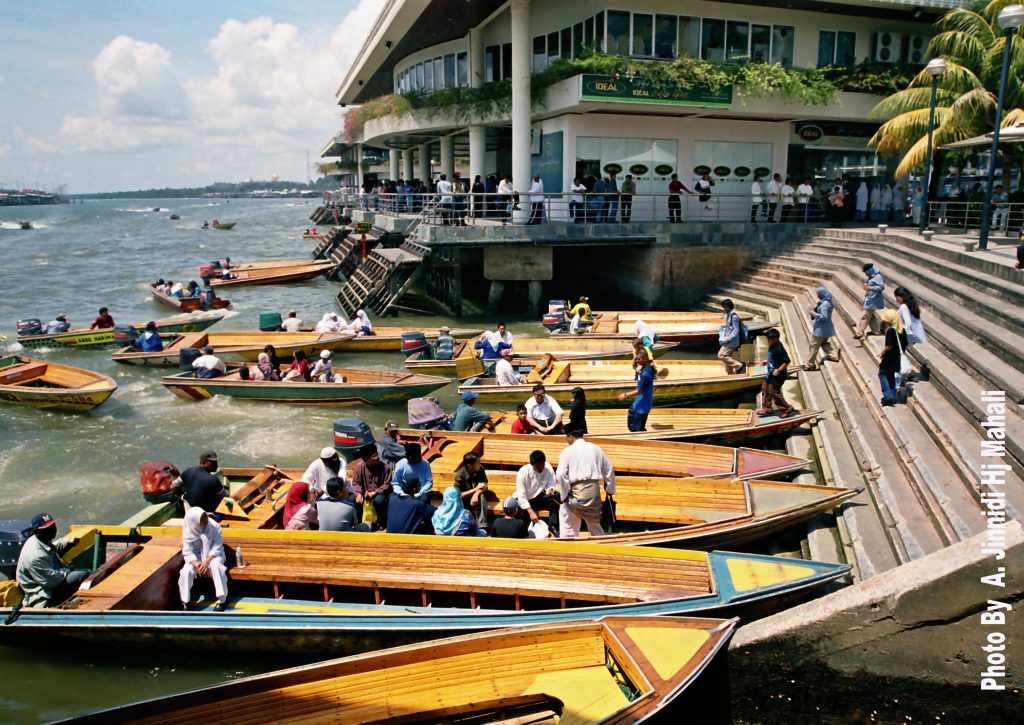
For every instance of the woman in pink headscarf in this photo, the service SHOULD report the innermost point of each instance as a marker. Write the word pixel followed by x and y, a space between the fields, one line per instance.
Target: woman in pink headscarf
pixel 299 512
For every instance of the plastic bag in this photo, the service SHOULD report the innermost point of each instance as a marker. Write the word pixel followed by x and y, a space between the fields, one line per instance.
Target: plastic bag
pixel 369 512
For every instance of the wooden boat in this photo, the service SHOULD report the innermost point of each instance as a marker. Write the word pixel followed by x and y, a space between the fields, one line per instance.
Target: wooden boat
pixel 271 264
pixel 86 338
pixel 445 449
pixel 682 328
pixel 529 352
pixel 614 670
pixel 174 217
pixel 310 235
pixel 721 426
pixel 223 225
pixel 389 339
pixel 274 275
pixel 25 225
pixel 234 346
pixel 357 387
pixel 678 382
pixel 315 591
pixel 44 384
pixel 186 304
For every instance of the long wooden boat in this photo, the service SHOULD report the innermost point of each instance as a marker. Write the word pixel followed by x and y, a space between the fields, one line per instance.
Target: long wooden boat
pixel 223 225
pixel 235 346
pixel 682 328
pixel 678 382
pixel 720 426
pixel 274 275
pixel 357 387
pixel 445 449
pixel 528 353
pixel 270 264
pixel 315 591
pixel 186 304
pixel 86 338
pixel 613 670
pixel 49 385
pixel 389 339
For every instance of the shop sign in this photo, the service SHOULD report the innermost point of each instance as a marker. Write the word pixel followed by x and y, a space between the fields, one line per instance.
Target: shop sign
pixel 742 171
pixel 624 90
pixel 810 133
pixel 701 170
pixel 612 169
pixel 638 169
pixel 663 169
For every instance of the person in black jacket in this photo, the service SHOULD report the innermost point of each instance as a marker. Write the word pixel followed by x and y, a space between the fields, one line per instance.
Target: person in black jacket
pixel 889 360
pixel 578 411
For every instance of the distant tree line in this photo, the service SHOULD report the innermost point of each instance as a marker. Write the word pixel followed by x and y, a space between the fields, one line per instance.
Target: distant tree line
pixel 237 189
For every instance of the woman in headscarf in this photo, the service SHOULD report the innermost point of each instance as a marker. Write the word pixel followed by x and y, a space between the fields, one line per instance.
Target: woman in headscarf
pixel 299 511
pixel 862 202
pixel 646 335
pixel 264 369
pixel 326 324
pixel 275 361
pixel 876 202
pixel 892 352
pixel 361 325
pixel 823 329
pixel 202 547
pixel 452 518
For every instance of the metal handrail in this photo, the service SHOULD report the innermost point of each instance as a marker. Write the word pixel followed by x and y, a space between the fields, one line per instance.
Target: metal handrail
pixel 953 216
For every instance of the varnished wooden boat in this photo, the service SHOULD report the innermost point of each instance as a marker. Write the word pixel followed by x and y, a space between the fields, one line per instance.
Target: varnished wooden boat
pixel 270 264
pixel 357 387
pixel 274 275
pixel 444 450
pixel 682 328
pixel 48 385
pixel 678 382
pixel 186 304
pixel 613 670
pixel 314 591
pixel 235 346
pixel 389 339
pixel 86 338
pixel 223 225
pixel 720 426
pixel 529 352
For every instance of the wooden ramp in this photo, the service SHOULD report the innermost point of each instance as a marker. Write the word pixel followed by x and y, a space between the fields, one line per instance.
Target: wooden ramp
pixel 380 281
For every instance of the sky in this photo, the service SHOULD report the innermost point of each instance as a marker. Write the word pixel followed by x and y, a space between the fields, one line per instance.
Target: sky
pixel 111 95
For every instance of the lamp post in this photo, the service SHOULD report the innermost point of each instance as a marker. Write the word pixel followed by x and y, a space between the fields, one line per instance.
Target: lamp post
pixel 936 67
pixel 1010 18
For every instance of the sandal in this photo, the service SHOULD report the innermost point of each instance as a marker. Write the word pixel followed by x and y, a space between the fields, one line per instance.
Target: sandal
pixel 809 368
pixel 764 411
pixel 786 413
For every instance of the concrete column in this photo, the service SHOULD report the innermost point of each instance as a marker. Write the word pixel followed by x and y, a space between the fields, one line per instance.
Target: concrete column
pixel 407 172
pixel 424 156
pixel 359 164
pixel 477 150
pixel 521 52
pixel 533 295
pixel 495 294
pixel 476 57
pixel 394 171
pixel 448 156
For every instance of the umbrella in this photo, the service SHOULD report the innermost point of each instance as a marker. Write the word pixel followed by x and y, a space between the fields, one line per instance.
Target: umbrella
pixel 1010 134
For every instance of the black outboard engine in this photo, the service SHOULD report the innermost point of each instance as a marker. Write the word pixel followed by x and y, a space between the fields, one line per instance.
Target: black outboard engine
pixel 351 434
pixel 414 342
pixel 13 535
pixel 31 326
pixel 124 335
pixel 555 319
pixel 187 356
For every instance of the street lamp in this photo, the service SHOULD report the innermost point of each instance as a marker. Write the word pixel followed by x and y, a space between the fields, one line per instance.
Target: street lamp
pixel 936 67
pixel 1010 18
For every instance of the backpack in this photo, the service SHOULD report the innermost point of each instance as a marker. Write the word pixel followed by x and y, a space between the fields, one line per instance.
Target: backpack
pixel 744 331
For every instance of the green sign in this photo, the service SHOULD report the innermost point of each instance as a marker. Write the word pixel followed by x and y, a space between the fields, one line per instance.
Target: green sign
pixel 624 90
pixel 362 227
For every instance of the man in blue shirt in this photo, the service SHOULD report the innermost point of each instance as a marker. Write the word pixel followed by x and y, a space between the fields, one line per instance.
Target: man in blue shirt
pixel 468 418
pixel 408 513
pixel 874 286
pixel 643 396
pixel 413 466
pixel 487 343
pixel 149 341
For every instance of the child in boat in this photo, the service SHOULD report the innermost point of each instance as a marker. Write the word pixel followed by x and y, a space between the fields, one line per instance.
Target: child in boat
pixel 771 390
pixel 202 546
pixel 509 526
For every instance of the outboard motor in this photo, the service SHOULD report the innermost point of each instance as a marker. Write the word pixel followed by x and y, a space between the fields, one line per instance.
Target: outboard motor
pixel 554 319
pixel 270 321
pixel 13 535
pixel 157 481
pixel 426 414
pixel 31 326
pixel 187 356
pixel 351 434
pixel 414 342
pixel 206 273
pixel 124 335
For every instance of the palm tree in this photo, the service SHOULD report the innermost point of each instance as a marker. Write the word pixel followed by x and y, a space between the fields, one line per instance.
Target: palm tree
pixel 972 44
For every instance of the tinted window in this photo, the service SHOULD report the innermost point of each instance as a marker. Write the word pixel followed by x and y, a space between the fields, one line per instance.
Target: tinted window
pixel 783 37
pixel 713 39
pixel 737 40
pixel 689 37
pixel 665 36
pixel 826 47
pixel 643 34
pixel 618 32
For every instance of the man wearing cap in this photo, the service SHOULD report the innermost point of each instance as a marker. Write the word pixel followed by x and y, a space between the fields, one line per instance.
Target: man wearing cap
pixel 543 412
pixel 504 373
pixel 208 365
pixel 323 371
pixel 581 468
pixel 510 526
pixel 200 487
pixel 329 465
pixel 389 448
pixel 43 578
pixel 292 323
pixel 444 345
pixel 536 490
pixel 581 308
pixel 371 478
pixel 467 417
pixel 408 510
pixel 58 324
pixel 471 480
pixel 413 466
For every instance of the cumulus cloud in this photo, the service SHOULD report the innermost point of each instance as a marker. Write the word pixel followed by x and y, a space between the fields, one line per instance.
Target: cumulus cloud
pixel 138 79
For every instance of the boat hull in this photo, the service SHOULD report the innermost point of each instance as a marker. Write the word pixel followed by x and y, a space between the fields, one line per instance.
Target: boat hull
pixel 389 339
pixel 105 338
pixel 188 387
pixel 51 386
pixel 230 350
pixel 283 275
pixel 187 304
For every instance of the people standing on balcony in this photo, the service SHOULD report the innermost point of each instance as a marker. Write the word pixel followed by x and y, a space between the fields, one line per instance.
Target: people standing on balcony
pixel 444 199
pixel 576 208
pixel 756 198
pixel 491 200
pixel 626 198
pixel 675 202
pixel 478 190
pixel 862 202
pixel 787 200
pixel 505 196
pixel 876 203
pixel 836 200
pixel 703 189
pixel 595 201
pixel 459 201
pixel 536 201
pixel 804 192
pixel 774 196
pixel 916 205
pixel 611 198
pixel 899 205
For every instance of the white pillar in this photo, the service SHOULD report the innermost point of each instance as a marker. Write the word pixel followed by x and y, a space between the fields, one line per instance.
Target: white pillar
pixel 477 151
pixel 359 165
pixel 476 57
pixel 393 159
pixel 407 172
pixel 521 52
pixel 424 154
pixel 448 156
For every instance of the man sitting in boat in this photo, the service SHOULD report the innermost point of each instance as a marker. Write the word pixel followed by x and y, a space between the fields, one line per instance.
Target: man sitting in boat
pixel 582 308
pixel 511 525
pixel 581 468
pixel 202 547
pixel 334 511
pixel 149 341
pixel 444 345
pixel 208 365
pixel 413 464
pixel 490 345
pixel 468 418
pixel 329 465
pixel 389 448
pixel 225 267
pixel 103 320
pixel 536 490
pixel 58 324
pixel 522 425
pixel 504 373
pixel 323 370
pixel 408 510
pixel 471 481
pixel 544 412
pixel 292 323
pixel 371 478
pixel 200 487
pixel 175 289
pixel 43 578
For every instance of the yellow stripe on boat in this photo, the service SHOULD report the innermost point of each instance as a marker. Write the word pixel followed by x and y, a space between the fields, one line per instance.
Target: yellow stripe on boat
pixel 664 647
pixel 748 575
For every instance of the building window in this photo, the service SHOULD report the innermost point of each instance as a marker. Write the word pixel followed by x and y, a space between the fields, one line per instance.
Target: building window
pixel 540 55
pixel 643 34
pixel 462 68
pixel 599 31
pixel 428 75
pixel 760 43
pixel 712 40
pixel 782 45
pixel 506 61
pixel 689 37
pixel 449 71
pixel 419 77
pixel 588 33
pixel 665 36
pixel 826 47
pixel 565 46
pixel 737 40
pixel 577 40
pixel 618 32
pixel 837 48
pixel 492 63
pixel 552 46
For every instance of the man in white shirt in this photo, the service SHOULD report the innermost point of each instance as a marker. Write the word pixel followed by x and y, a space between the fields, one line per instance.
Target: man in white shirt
pixel 787 193
pixel 536 201
pixel 499 335
pixel 208 365
pixel 329 465
pixel 774 195
pixel 536 488
pixel 581 468
pixel 504 372
pixel 292 323
pixel 506 194
pixel 444 192
pixel 804 192
pixel 756 199
pixel 543 412
pixel 323 371
pixel 576 207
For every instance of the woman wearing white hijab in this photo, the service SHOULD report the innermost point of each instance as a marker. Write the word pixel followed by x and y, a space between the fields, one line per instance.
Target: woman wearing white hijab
pixel 202 547
pixel 326 324
pixel 862 202
pixel 361 325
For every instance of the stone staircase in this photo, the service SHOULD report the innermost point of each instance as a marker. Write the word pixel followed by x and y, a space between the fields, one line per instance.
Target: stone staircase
pixel 379 282
pixel 919 462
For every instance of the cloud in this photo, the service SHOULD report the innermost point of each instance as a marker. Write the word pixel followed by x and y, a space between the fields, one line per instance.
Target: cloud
pixel 5 148
pixel 138 79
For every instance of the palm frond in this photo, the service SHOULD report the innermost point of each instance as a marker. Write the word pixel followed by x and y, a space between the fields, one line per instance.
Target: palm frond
pixel 900 132
pixel 978 104
pixel 911 99
pixel 960 46
pixel 914 157
pixel 1013 117
pixel 957 77
pixel 967 21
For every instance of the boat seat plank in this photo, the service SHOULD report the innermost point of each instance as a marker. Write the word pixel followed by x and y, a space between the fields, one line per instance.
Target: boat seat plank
pixel 22 373
pixel 154 556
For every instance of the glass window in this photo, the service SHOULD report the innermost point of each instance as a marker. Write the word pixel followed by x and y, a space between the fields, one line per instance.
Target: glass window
pixel 506 61
pixel 618 32
pixel 846 48
pixel 665 36
pixel 588 33
pixel 449 71
pixel 565 46
pixel 737 40
pixel 760 43
pixel 419 77
pixel 438 73
pixel 782 45
pixel 689 37
pixel 540 55
pixel 599 31
pixel 712 40
pixel 577 40
pixel 428 75
pixel 492 64
pixel 643 34
pixel 552 46
pixel 462 68
pixel 826 47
